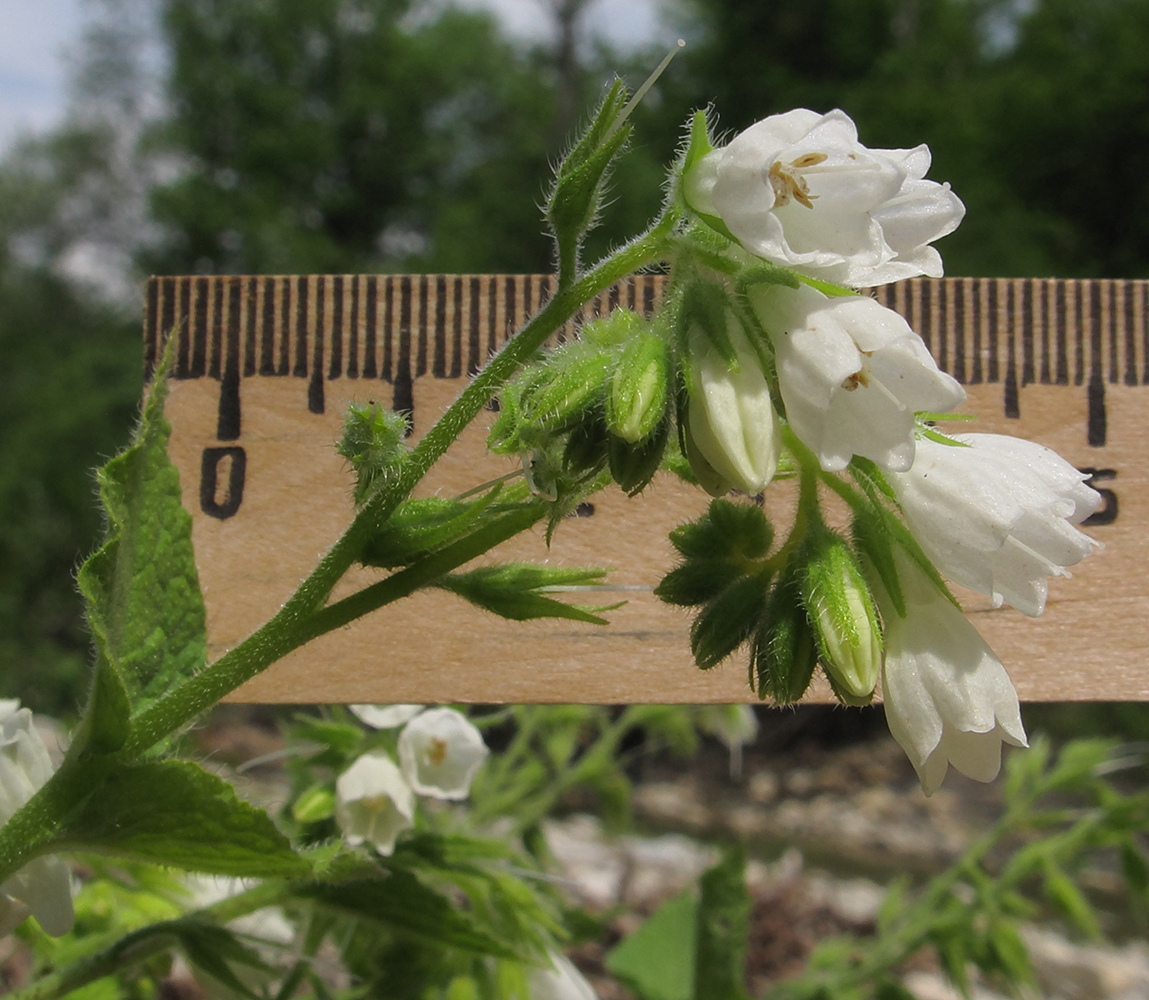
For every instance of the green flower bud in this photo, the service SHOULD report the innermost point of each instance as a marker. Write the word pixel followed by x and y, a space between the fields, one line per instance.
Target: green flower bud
pixel 841 609
pixel 784 651
pixel 633 466
pixel 616 329
pixel 637 397
pixel 373 443
pixel 576 381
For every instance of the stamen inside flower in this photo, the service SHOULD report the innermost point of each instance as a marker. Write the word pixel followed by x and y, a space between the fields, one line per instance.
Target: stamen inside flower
pixel 437 752
pixel 789 185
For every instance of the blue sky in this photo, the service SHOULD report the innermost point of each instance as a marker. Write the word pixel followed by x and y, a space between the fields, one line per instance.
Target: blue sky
pixel 32 73
pixel 37 34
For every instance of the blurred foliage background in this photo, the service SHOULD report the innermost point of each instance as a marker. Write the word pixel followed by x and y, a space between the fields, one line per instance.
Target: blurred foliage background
pixel 233 136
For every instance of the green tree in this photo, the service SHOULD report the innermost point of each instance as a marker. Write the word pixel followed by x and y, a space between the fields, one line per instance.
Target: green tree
pixel 326 135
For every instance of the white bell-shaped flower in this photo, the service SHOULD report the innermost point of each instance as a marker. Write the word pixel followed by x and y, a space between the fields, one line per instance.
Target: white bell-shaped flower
pixel 440 751
pixel 800 190
pixel 852 374
pixel 947 697
pixel 374 803
pixel 997 516
pixel 730 414
pixel 384 716
pixel 43 887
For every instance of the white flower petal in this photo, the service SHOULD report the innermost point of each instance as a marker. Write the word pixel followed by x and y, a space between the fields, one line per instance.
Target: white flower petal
pixel 374 803
pixel 800 190
pixel 440 752
pixel 996 516
pixel 43 887
pixel 852 374
pixel 562 982
pixel 384 716
pixel 948 699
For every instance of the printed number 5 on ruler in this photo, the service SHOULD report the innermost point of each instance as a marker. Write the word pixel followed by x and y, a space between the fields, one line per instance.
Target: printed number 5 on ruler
pixel 266 366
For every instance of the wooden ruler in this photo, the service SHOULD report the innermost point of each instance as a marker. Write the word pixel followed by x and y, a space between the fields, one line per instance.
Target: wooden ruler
pixel 266 366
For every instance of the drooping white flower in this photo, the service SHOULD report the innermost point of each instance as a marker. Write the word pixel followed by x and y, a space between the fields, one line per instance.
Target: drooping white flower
pixel 385 716
pixel 800 190
pixel 43 887
pixel 730 415
pixel 440 751
pixel 561 982
pixel 852 374
pixel 997 516
pixel 947 696
pixel 374 803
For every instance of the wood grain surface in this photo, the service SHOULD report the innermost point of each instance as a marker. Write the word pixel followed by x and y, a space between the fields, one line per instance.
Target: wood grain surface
pixel 266 366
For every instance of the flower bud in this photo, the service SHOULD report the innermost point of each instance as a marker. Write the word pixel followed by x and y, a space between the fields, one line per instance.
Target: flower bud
pixel 841 609
pixel 373 443
pixel 730 415
pixel 636 399
pixel 784 651
pixel 575 379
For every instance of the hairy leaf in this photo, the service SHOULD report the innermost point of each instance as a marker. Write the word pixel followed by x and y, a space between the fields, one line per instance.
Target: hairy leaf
pixel 176 813
pixel 142 589
pixel 404 904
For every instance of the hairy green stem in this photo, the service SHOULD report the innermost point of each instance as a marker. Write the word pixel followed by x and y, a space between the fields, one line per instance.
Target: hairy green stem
pixel 295 623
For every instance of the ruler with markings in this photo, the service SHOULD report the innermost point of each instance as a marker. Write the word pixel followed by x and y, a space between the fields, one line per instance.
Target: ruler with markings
pixel 265 367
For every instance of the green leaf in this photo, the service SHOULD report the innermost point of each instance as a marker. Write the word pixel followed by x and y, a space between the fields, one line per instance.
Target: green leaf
pixel 700 143
pixel 512 590
pixel 142 589
pixel 1009 951
pixel 694 582
pixel 657 960
pixel 726 530
pixel 1078 761
pixel 726 622
pixel 422 526
pixel 213 949
pixel 176 813
pixel 1134 868
pixel 785 649
pixel 1064 895
pixel 723 922
pixel 405 905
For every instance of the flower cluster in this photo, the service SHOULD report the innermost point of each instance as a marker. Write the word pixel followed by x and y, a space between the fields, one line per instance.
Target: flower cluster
pixel 769 360
pixel 439 752
pixel 790 205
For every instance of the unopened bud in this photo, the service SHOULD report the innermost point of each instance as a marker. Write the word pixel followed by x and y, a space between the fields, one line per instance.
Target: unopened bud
pixel 841 609
pixel 637 397
pixel 373 443
pixel 731 416
pixel 576 376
